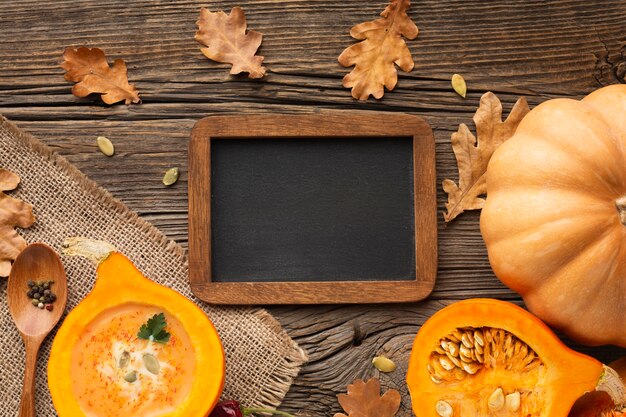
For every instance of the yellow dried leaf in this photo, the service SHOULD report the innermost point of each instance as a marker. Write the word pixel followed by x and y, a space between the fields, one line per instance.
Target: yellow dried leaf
pixel 382 48
pixel 226 40
pixel 89 68
pixel 364 400
pixel 458 83
pixel 472 155
pixel 13 212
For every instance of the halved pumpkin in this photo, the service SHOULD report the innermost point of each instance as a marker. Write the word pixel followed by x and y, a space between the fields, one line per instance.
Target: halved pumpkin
pixel 98 365
pixel 485 357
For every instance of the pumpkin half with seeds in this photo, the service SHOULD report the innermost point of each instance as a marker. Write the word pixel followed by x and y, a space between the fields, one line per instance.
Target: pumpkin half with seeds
pixel 133 347
pixel 485 357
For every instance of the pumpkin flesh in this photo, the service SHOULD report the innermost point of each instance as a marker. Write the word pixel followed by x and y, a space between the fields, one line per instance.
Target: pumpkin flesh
pixel 555 217
pixel 521 357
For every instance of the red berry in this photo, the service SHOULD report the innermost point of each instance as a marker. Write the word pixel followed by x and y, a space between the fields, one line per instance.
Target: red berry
pixel 228 408
pixel 49 307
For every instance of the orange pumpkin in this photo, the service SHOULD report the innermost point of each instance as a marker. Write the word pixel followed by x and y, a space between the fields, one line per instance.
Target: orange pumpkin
pixel 485 357
pixel 555 218
pixel 100 366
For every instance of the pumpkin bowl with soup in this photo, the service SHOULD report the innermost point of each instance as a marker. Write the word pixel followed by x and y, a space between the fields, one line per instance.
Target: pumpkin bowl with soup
pixel 133 347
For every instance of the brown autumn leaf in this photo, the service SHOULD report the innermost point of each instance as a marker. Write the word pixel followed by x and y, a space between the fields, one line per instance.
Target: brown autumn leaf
pixel 226 41
pixel 13 212
pixel 89 68
pixel 382 48
pixel 364 400
pixel 473 155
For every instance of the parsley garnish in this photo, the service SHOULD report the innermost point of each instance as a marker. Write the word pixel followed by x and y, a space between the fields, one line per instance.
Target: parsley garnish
pixel 154 329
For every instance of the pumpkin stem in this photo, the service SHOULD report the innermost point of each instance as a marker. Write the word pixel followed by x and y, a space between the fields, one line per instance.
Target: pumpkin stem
pixel 611 383
pixel 620 203
pixel 94 250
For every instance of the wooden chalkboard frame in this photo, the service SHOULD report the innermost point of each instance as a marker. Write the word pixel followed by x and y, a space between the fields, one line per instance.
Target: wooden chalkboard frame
pixel 318 125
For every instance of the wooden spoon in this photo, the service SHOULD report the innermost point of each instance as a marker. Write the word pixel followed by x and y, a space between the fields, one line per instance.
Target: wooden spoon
pixel 38 262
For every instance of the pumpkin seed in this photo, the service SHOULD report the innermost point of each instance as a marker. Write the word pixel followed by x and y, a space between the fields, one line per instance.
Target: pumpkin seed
pixel 383 364
pixel 453 348
pixel 468 340
pixel 443 409
pixel 478 339
pixel 124 360
pixel 151 363
pixel 446 363
pixel 496 400
pixel 466 352
pixel 512 401
pixel 458 83
pixel 471 368
pixel 105 146
pixel 171 176
pixel 131 377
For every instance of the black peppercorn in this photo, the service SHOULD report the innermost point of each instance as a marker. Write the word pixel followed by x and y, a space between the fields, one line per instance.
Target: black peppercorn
pixel 41 294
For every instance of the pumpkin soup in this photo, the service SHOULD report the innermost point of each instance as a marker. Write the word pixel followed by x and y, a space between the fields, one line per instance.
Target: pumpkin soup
pixel 116 373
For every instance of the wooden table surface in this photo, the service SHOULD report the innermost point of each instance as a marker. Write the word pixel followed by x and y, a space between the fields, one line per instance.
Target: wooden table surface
pixel 539 48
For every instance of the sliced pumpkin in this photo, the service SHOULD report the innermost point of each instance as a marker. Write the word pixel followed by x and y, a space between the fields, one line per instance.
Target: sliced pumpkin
pixel 100 366
pixel 485 357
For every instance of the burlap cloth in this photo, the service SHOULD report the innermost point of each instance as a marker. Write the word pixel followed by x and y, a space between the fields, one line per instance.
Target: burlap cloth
pixel 261 359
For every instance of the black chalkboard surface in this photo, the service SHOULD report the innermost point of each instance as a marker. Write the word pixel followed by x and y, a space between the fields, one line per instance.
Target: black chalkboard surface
pixel 303 209
pixel 312 209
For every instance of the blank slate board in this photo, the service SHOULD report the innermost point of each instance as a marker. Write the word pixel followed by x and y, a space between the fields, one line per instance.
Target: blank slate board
pixel 335 207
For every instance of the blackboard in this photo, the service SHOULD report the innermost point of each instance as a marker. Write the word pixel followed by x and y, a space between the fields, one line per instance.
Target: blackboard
pixel 318 208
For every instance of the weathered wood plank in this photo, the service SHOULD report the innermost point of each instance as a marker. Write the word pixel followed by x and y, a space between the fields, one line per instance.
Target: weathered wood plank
pixel 535 46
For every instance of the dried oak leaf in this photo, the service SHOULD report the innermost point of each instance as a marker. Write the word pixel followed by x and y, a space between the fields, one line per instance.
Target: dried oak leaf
pixel 13 212
pixel 364 400
pixel 226 41
pixel 473 155
pixel 89 68
pixel 381 48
